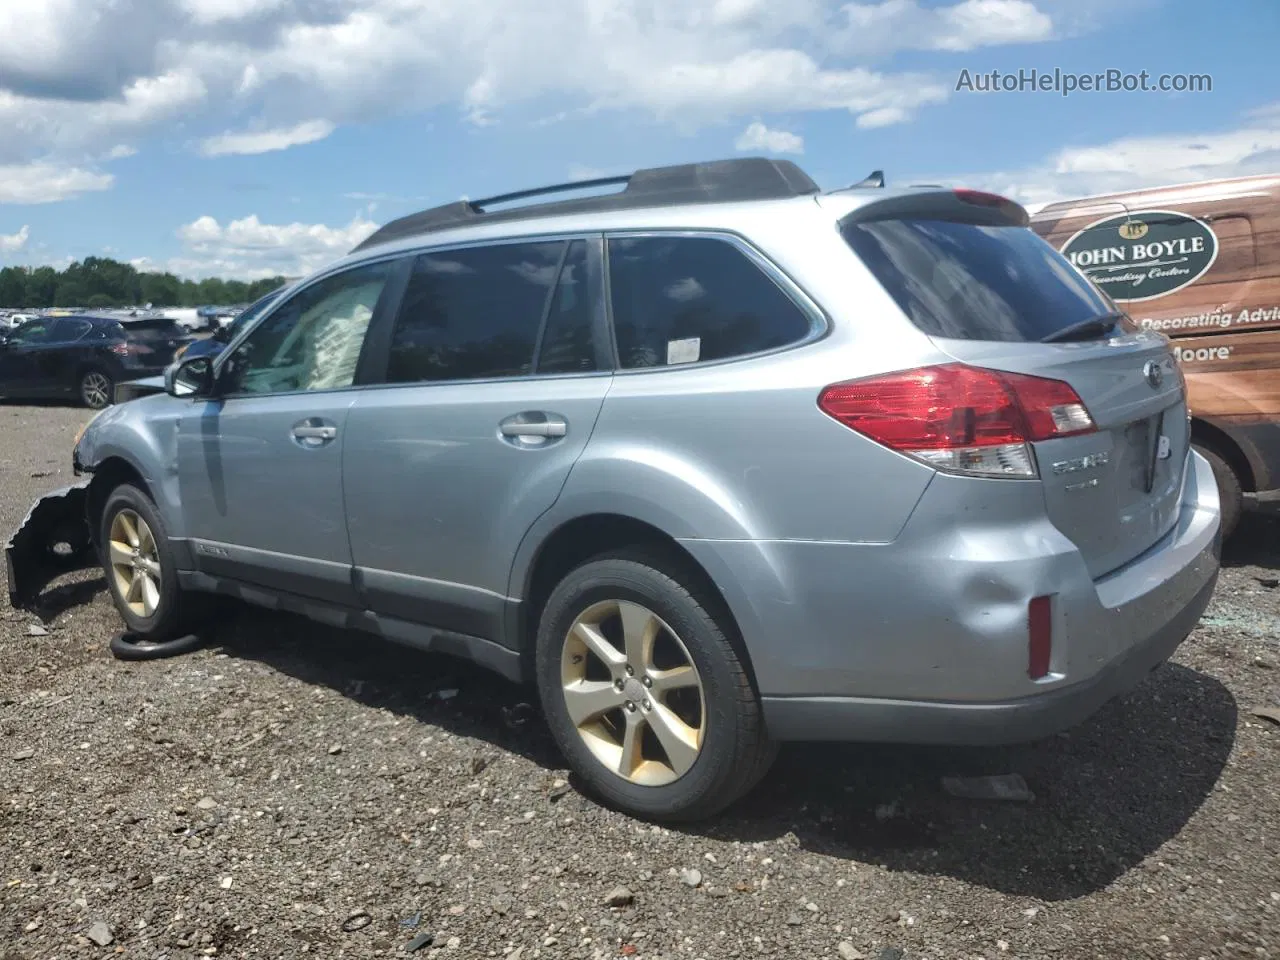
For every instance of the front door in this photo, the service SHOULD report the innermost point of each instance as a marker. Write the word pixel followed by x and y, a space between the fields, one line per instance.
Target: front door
pixel 21 374
pixel 260 465
pixel 497 374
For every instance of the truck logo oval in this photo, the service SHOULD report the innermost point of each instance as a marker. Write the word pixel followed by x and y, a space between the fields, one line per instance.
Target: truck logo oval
pixel 1143 255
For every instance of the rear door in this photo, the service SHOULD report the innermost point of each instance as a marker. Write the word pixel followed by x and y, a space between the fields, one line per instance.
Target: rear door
pixel 60 360
pixel 991 296
pixel 497 368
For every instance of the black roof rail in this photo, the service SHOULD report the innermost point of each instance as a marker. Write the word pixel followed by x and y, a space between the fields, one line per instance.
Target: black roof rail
pixel 718 181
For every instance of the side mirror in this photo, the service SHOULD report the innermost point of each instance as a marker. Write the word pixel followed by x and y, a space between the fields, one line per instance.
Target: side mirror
pixel 190 377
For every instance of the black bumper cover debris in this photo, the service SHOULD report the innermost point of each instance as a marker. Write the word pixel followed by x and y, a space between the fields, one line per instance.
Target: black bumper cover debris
pixel 52 540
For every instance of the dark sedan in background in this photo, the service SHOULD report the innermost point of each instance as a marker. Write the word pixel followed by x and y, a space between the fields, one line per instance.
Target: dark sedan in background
pixel 84 356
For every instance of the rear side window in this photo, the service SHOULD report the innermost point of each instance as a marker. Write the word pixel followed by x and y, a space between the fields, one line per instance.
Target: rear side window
pixel 969 282
pixel 70 329
pixel 474 313
pixel 153 330
pixel 682 300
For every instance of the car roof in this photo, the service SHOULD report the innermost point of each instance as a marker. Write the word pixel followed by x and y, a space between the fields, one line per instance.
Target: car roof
pixel 719 195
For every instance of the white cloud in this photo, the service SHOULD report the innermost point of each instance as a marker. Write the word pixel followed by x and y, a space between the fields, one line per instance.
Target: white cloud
pixel 1135 162
pixel 581 171
pixel 250 249
pixel 760 137
pixel 88 74
pixel 266 141
pixel 120 151
pixel 47 182
pixel 13 242
pixel 878 28
pixel 46 129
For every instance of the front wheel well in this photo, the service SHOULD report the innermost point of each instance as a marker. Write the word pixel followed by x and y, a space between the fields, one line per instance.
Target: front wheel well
pixel 583 538
pixel 1219 441
pixel 106 477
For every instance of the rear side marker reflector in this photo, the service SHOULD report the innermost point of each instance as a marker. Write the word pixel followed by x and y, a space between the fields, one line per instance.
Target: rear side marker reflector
pixel 958 418
pixel 1039 637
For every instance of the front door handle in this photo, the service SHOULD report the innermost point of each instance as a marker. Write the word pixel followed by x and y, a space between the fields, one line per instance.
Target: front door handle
pixel 548 428
pixel 314 433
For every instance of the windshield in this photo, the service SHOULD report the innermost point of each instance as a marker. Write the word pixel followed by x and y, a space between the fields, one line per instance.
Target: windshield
pixel 969 282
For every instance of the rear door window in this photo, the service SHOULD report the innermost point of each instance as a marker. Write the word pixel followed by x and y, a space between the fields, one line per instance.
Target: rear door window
pixel 475 313
pixel 679 300
pixel 160 329
pixel 70 329
pixel 968 282
pixel 568 341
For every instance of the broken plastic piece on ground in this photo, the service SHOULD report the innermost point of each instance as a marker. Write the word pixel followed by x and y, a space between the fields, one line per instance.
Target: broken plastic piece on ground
pixel 51 540
pixel 1008 786
pixel 420 941
pixel 1267 713
pixel 357 921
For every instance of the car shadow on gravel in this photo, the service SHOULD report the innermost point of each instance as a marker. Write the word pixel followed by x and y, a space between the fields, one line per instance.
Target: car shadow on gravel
pixel 1106 795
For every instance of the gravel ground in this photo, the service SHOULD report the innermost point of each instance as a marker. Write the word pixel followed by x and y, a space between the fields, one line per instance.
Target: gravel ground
pixel 292 790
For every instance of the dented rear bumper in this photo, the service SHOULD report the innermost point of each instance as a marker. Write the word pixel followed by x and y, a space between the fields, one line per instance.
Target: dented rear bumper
pixel 53 539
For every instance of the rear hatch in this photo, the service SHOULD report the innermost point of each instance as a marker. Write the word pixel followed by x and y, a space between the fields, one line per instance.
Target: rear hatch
pixel 992 294
pixel 153 341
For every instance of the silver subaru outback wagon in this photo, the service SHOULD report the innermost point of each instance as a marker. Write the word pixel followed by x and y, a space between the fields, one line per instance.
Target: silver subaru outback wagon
pixel 717 460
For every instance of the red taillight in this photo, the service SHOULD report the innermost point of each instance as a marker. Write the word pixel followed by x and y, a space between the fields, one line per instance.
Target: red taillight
pixel 129 349
pixel 1039 637
pixel 960 418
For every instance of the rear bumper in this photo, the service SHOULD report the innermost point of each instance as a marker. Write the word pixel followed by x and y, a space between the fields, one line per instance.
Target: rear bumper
pixel 980 724
pixel 925 640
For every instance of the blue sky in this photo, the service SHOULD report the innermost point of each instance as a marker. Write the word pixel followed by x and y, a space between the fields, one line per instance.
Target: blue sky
pixel 253 137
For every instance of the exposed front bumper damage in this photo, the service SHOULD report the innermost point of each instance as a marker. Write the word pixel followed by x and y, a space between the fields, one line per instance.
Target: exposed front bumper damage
pixel 53 539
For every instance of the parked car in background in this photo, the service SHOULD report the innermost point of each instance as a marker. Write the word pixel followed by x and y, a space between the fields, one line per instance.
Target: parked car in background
pixel 1200 263
pixel 84 356
pixel 715 461
pixel 221 336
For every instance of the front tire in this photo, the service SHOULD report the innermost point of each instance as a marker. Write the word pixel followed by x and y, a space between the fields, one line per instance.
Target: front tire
pixel 139 566
pixel 644 692
pixel 96 389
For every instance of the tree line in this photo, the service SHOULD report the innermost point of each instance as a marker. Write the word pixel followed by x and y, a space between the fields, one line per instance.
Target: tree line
pixel 99 282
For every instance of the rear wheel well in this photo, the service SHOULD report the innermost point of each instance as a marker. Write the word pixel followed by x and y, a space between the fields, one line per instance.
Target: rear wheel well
pixel 106 477
pixel 1220 442
pixel 582 538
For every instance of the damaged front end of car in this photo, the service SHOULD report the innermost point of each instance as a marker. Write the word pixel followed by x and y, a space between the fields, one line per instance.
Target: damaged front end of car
pixel 53 539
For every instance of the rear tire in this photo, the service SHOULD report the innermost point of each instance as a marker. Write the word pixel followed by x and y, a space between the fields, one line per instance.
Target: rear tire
pixel 96 389
pixel 140 569
pixel 1230 490
pixel 710 717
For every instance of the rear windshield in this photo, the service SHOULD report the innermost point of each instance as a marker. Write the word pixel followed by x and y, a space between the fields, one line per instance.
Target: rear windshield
pixel 969 282
pixel 152 329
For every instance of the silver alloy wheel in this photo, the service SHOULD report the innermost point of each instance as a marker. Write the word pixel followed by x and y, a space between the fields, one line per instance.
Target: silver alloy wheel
pixel 135 563
pixel 95 390
pixel 633 692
